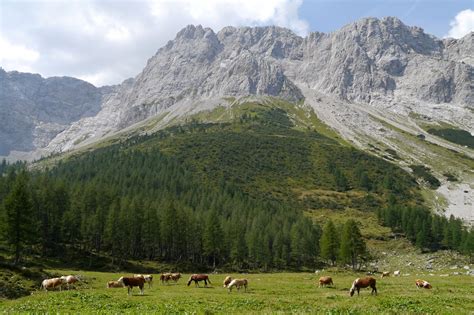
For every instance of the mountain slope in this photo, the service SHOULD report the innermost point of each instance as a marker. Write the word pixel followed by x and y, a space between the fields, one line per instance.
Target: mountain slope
pixel 379 83
pixel 34 110
pixel 379 62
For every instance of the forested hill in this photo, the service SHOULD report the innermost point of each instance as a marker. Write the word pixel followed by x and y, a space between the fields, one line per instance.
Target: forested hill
pixel 230 193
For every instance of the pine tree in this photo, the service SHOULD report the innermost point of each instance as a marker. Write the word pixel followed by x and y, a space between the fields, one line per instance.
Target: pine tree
pixel 18 207
pixel 329 242
pixel 213 237
pixel 352 245
pixel 468 245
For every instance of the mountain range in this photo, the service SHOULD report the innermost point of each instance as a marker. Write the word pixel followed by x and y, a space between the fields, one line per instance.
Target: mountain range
pixel 382 85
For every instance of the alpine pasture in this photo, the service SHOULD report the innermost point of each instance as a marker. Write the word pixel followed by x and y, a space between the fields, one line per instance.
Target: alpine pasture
pixel 267 293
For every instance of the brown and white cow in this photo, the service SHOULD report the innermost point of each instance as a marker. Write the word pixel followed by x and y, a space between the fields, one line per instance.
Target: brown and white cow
pixel 423 284
pixel 148 279
pixel 175 276
pixel 325 281
pixel 114 284
pixel 199 277
pixel 238 283
pixel 131 282
pixel 363 283
pixel 52 283
pixel 385 274
pixel 165 277
pixel 69 280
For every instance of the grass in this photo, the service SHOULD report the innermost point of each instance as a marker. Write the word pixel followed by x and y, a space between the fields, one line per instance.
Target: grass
pixel 268 293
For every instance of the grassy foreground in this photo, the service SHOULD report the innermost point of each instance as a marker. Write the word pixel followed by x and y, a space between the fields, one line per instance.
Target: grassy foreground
pixel 268 293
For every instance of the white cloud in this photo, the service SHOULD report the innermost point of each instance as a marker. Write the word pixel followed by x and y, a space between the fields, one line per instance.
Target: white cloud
pixel 462 24
pixel 219 13
pixel 16 56
pixel 106 42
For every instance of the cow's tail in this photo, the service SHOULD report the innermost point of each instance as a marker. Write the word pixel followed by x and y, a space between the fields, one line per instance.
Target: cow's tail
pixel 208 280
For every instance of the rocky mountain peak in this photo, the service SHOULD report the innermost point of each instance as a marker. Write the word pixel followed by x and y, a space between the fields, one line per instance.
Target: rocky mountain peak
pixel 370 59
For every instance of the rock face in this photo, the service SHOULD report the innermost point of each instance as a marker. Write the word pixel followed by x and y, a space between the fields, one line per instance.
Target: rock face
pixel 371 61
pixel 33 110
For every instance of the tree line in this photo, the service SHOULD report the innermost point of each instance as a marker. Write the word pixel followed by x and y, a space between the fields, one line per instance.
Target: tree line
pixel 426 230
pixel 156 211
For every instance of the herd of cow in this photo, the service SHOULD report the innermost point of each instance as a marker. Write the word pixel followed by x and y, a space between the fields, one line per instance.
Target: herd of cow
pixel 371 282
pixel 139 281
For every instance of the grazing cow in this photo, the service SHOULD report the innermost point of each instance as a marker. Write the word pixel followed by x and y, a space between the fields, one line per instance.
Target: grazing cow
pixel 385 274
pixel 131 282
pixel 148 279
pixel 325 281
pixel 199 277
pixel 363 283
pixel 227 280
pixel 52 283
pixel 69 280
pixel 396 273
pixel 165 277
pixel 175 276
pixel 423 284
pixel 114 284
pixel 238 283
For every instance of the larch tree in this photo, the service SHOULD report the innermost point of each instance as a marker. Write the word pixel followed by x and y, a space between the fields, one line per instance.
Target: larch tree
pixel 329 242
pixel 352 245
pixel 18 207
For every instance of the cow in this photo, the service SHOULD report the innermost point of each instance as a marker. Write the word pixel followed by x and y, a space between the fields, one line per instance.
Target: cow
pixel 385 274
pixel 363 283
pixel 131 282
pixel 325 281
pixel 69 280
pixel 175 277
pixel 397 273
pixel 199 277
pixel 423 284
pixel 114 284
pixel 148 279
pixel 165 277
pixel 238 283
pixel 52 283
pixel 227 280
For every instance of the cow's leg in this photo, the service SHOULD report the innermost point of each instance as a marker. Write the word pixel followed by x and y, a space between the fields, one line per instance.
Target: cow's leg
pixel 358 290
pixel 205 282
pixel 141 289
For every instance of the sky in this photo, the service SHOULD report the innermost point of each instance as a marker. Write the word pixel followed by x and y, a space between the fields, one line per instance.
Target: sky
pixel 105 42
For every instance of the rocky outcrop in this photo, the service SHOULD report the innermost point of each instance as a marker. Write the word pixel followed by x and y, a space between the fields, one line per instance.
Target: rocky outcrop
pixel 369 61
pixel 33 110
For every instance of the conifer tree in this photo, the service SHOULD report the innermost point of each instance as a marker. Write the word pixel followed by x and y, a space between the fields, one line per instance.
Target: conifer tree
pixel 329 242
pixel 352 245
pixel 18 207
pixel 213 237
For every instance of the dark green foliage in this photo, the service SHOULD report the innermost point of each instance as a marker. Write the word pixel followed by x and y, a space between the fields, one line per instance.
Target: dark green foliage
pixel 450 177
pixel 18 208
pixel 426 230
pixel 208 194
pixel 353 248
pixel 329 243
pixel 423 172
pixel 458 136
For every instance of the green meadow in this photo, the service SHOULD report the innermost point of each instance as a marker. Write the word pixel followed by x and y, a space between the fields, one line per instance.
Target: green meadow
pixel 267 293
